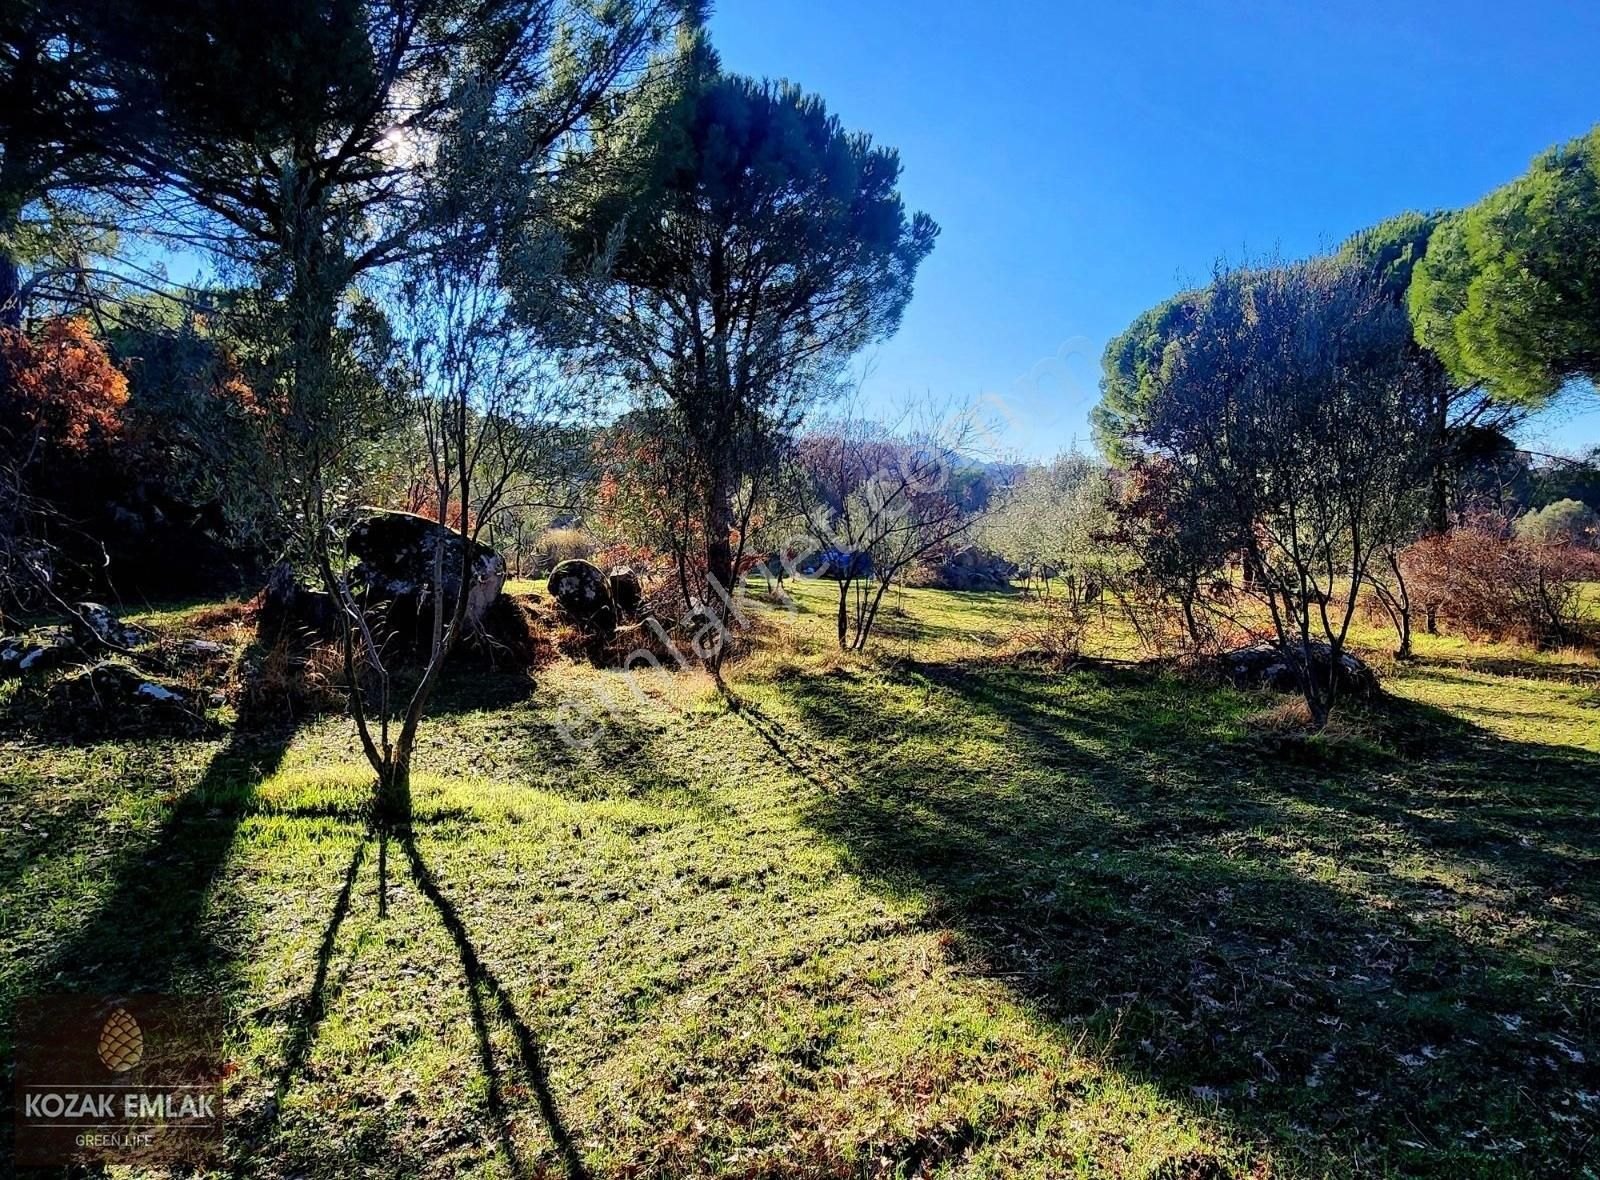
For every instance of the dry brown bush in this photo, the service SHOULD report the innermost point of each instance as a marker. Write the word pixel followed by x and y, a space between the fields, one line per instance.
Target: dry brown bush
pixel 1056 638
pixel 1489 584
pixel 286 680
pixel 558 545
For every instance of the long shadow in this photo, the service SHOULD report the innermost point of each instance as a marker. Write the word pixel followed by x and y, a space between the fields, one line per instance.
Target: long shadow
pixel 312 1007
pixel 1310 938
pixel 1583 675
pixel 795 754
pixel 146 933
pixel 484 990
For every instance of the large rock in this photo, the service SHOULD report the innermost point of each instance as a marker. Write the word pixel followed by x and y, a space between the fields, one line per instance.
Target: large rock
pixel 94 626
pixel 119 685
pixel 12 649
pixel 1266 665
pixel 627 591
pixel 584 594
pixel 289 608
pixel 113 697
pixel 398 554
pixel 972 568
pixel 35 653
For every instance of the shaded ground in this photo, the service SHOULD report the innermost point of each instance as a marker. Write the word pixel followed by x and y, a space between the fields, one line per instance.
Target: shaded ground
pixel 918 914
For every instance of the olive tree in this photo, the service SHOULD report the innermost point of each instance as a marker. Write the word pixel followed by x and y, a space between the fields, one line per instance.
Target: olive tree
pixel 1292 414
pixel 1054 520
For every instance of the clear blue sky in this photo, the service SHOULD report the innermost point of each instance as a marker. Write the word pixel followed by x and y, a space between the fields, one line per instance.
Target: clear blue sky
pixel 1087 160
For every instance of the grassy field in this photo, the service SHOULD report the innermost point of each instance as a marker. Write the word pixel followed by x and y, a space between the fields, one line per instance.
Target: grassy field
pixel 932 911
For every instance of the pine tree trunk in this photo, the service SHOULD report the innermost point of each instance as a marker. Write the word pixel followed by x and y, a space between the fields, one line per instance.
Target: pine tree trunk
pixel 1439 490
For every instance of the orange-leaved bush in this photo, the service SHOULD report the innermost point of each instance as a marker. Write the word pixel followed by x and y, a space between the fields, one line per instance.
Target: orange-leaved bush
pixel 59 389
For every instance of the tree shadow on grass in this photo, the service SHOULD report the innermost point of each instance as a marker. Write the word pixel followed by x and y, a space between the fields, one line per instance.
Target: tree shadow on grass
pixel 1585 675
pixel 1359 954
pixel 487 997
pixel 150 932
pixel 490 1000
pixel 147 933
pixel 471 690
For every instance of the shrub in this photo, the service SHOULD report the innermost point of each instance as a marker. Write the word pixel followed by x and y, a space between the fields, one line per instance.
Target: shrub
pixel 1566 522
pixel 284 681
pixel 1496 585
pixel 1056 638
pixel 60 388
pixel 564 544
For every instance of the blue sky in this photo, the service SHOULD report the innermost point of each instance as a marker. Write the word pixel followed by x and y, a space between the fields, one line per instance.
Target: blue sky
pixel 1087 160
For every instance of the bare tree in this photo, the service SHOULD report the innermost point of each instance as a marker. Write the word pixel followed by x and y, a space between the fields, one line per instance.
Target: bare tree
pixel 875 499
pixel 488 404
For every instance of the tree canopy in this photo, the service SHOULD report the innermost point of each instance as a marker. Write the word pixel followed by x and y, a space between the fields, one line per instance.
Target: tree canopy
pixel 751 245
pixel 1508 293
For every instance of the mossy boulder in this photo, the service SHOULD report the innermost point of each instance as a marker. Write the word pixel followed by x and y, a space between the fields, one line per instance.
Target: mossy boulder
pixel 399 554
pixel 1266 665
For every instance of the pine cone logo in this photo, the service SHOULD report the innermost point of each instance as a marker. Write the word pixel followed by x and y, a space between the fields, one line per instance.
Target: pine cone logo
pixel 121 1042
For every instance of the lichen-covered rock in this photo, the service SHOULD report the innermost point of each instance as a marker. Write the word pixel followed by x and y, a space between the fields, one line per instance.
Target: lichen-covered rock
pixel 584 594
pixel 627 591
pixel 400 556
pixel 112 697
pixel 94 627
pixel 25 655
pixel 12 649
pixel 1266 665
pixel 973 568
pixel 119 684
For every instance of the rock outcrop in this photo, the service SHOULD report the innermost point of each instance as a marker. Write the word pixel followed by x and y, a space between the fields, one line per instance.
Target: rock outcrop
pixel 94 626
pixel 400 557
pixel 972 568
pixel 1266 665
pixel 627 591
pixel 583 593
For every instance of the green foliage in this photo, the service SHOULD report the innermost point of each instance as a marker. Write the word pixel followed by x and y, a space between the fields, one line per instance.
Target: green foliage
pixel 1563 522
pixel 1131 370
pixel 1571 480
pixel 205 432
pixel 66 115
pixel 1506 294
pixel 1391 250
pixel 1288 427
pixel 1055 518
pixel 751 246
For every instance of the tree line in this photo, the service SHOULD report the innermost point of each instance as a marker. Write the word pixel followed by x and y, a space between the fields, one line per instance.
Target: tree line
pixel 495 263
pixel 1339 427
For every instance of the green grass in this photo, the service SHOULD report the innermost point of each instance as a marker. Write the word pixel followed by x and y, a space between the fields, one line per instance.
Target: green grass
pixel 923 912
